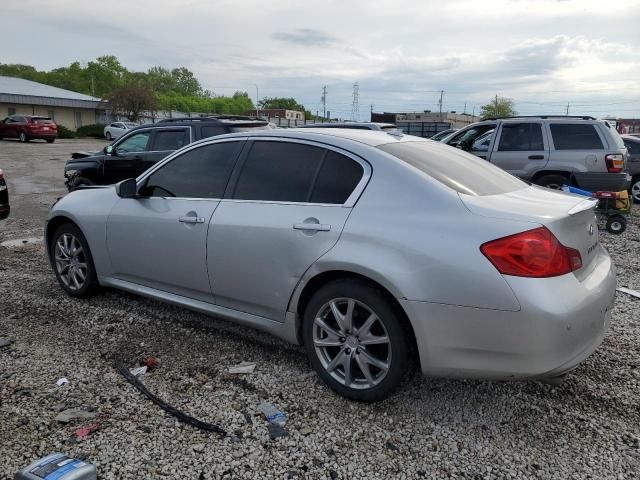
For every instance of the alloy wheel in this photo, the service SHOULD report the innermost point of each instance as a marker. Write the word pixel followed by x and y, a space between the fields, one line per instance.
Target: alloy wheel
pixel 352 343
pixel 635 191
pixel 71 261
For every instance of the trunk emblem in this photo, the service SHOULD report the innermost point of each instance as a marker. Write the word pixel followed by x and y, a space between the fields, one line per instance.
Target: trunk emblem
pixel 590 229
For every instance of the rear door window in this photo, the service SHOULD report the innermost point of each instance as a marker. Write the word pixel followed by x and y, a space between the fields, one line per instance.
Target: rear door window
pixel 279 171
pixel 521 137
pixel 169 140
pixel 460 171
pixel 338 177
pixel 575 136
pixel 202 172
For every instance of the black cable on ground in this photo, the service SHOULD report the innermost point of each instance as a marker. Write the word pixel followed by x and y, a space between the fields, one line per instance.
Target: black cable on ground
pixel 183 417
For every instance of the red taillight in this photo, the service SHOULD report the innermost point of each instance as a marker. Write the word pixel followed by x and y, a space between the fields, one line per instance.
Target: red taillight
pixel 534 253
pixel 615 162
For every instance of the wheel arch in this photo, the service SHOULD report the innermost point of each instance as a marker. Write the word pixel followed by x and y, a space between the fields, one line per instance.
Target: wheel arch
pixel 306 289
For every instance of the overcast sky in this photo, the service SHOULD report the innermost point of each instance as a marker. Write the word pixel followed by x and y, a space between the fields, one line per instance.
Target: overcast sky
pixel 541 53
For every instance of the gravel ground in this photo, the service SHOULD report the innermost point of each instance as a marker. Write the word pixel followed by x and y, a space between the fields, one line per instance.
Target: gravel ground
pixel 587 427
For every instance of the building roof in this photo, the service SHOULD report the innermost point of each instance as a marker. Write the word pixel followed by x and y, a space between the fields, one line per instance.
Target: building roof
pixel 19 90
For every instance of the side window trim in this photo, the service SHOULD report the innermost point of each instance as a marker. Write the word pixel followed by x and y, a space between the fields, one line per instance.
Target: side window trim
pixel 349 203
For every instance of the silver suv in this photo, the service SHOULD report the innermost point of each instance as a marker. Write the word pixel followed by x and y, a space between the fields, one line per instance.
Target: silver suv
pixel 551 151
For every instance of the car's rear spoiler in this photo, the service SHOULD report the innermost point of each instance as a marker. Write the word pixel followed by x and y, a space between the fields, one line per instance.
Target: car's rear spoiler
pixel 586 204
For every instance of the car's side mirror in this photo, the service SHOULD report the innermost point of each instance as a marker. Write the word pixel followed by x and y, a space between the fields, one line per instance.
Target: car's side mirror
pixel 109 150
pixel 127 188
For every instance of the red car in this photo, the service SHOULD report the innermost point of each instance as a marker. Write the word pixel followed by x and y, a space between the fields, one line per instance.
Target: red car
pixel 28 127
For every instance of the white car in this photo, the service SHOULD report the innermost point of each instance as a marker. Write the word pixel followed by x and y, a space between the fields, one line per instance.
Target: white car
pixel 116 129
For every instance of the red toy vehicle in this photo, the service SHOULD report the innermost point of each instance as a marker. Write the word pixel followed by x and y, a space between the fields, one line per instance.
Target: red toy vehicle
pixel 28 127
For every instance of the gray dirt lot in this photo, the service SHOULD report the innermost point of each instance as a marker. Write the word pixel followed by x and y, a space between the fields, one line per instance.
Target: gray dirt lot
pixel 587 427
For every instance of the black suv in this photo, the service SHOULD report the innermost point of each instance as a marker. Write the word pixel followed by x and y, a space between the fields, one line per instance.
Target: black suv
pixel 143 146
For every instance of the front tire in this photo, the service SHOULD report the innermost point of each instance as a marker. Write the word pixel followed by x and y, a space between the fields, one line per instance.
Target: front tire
pixel 551 181
pixel 616 224
pixel 72 261
pixel 108 136
pixel 356 340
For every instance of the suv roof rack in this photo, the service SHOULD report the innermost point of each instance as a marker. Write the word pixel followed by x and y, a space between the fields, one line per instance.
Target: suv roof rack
pixel 581 117
pixel 205 118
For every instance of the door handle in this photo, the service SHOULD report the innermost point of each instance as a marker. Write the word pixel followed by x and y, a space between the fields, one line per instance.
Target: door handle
pixel 191 219
pixel 315 227
pixel 536 157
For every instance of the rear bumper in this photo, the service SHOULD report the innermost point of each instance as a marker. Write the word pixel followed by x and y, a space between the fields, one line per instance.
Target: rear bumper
pixel 561 322
pixel 602 181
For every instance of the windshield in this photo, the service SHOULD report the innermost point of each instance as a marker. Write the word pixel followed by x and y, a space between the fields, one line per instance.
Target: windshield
pixel 460 171
pixel 43 120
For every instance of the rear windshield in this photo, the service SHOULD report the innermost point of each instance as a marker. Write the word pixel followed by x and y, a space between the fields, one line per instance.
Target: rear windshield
pixel 463 172
pixel 41 120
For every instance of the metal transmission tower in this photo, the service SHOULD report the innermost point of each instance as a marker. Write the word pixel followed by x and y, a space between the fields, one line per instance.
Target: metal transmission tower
pixel 323 100
pixel 355 109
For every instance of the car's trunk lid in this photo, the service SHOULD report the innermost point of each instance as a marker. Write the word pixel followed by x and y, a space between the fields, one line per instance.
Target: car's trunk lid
pixel 571 218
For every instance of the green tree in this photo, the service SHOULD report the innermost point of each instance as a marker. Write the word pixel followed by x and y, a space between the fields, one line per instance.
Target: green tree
pixel 131 99
pixel 269 103
pixel 498 107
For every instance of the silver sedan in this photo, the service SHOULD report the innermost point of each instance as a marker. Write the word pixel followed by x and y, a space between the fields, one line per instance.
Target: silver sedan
pixel 374 251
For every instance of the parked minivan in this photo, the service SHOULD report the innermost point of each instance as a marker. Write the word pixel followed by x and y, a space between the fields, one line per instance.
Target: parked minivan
pixel 551 151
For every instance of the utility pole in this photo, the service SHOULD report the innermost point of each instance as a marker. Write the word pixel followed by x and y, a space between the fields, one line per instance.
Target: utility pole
pixel 355 109
pixel 465 107
pixel 371 113
pixel 567 114
pixel 440 103
pixel 323 99
pixel 257 100
pixel 496 104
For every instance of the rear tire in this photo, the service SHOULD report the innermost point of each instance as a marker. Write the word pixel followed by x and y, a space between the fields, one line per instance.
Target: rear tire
pixel 634 189
pixel 552 181
pixel 362 352
pixel 616 224
pixel 23 137
pixel 50 140
pixel 72 261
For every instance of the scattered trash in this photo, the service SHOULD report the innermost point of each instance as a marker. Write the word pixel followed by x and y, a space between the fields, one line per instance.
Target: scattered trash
pixel 66 415
pixel 5 342
pixel 276 431
pixel 150 362
pixel 272 414
pixel 136 372
pixel 21 242
pixel 183 417
pixel 60 467
pixel 628 291
pixel 276 419
pixel 62 381
pixel 244 367
pixel 84 432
